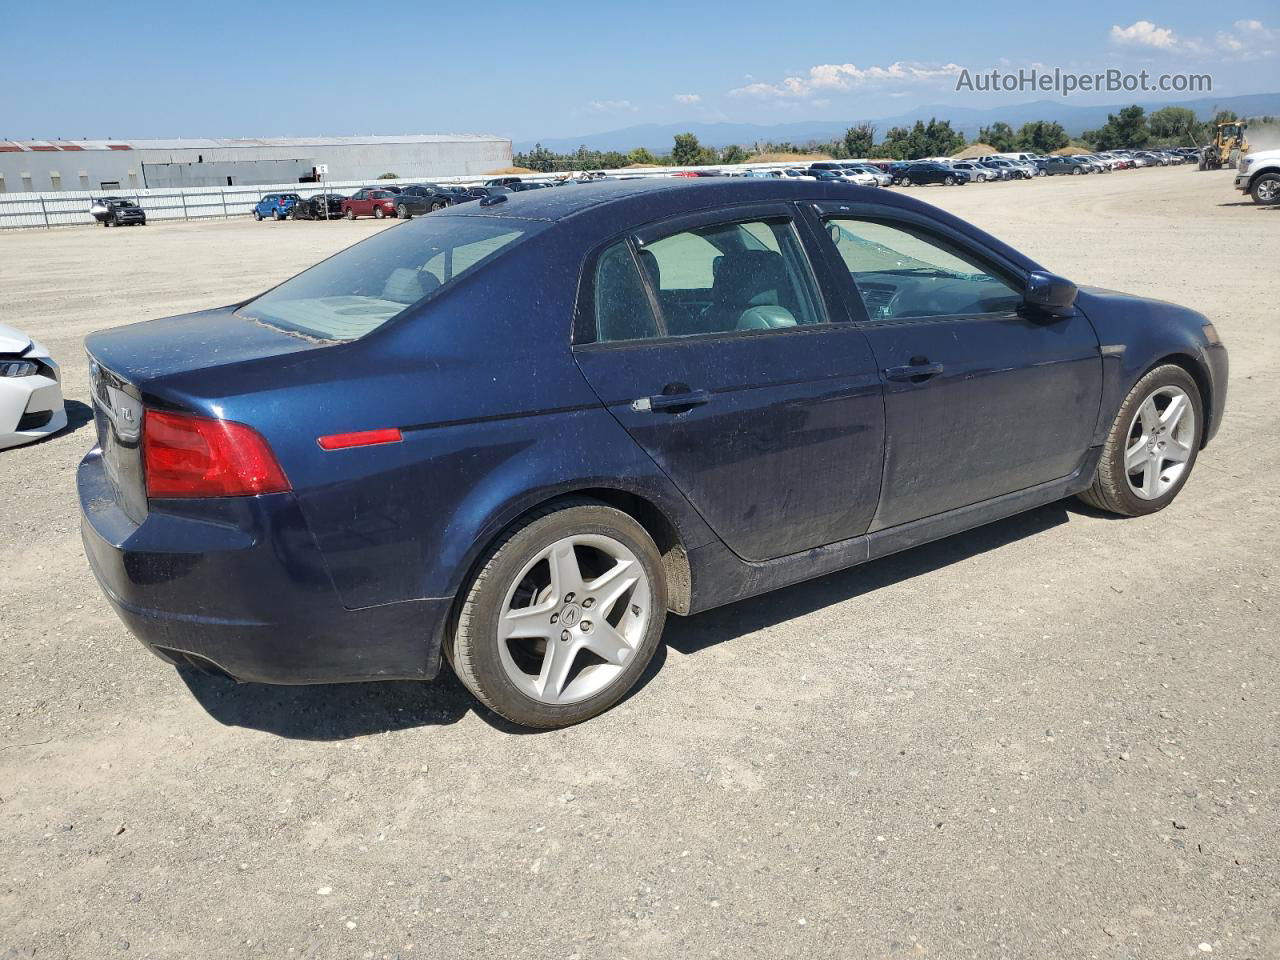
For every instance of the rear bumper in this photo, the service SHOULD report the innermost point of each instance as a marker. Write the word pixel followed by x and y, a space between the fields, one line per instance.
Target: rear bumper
pixel 240 583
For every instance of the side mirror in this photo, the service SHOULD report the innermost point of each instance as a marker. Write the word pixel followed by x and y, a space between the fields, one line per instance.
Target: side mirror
pixel 1050 293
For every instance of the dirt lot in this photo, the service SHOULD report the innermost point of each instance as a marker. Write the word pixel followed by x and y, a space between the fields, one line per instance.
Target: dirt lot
pixel 1052 737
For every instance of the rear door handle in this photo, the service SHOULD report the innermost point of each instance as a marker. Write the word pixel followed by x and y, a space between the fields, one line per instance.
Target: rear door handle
pixel 915 372
pixel 670 402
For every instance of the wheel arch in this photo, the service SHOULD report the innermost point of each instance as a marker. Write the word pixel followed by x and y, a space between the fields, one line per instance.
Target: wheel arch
pixel 655 520
pixel 1200 374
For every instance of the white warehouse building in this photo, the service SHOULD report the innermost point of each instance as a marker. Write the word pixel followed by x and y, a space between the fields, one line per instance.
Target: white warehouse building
pixel 106 165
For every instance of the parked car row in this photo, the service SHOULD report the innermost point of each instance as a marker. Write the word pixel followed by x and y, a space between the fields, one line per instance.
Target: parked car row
pixel 379 202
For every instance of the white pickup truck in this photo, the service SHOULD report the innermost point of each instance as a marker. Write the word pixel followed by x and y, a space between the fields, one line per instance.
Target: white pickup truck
pixel 1259 176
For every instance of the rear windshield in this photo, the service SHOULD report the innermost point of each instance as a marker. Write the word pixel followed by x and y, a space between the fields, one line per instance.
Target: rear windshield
pixel 361 288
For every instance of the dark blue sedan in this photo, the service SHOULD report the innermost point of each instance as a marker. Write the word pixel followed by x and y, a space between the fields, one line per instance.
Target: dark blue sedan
pixel 517 433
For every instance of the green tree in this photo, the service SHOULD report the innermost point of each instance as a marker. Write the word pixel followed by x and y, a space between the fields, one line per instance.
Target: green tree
pixel 895 143
pixel 1174 124
pixel 940 140
pixel 859 139
pixel 641 155
pixel 999 135
pixel 687 151
pixel 1127 129
pixel 388 176
pixel 733 154
pixel 539 158
pixel 1042 136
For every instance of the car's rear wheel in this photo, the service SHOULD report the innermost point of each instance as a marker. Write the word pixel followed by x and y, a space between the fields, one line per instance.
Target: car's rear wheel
pixel 350 214
pixel 438 205
pixel 378 213
pixel 402 212
pixel 1152 445
pixel 563 615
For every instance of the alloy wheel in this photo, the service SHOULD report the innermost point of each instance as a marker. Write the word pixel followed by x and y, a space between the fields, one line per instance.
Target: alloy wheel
pixel 1160 442
pixel 573 618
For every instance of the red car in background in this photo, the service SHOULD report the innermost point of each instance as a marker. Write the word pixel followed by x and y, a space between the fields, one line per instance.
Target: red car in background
pixel 375 202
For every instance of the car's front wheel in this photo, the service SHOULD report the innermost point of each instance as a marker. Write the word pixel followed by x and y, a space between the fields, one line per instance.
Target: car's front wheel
pixel 1266 189
pixel 1152 446
pixel 563 615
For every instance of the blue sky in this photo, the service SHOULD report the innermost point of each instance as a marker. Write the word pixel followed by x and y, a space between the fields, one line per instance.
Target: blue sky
pixel 526 70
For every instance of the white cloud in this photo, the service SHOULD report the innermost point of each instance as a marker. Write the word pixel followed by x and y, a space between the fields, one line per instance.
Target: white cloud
pixel 687 98
pixel 847 76
pixel 612 106
pixel 1144 33
pixel 1249 40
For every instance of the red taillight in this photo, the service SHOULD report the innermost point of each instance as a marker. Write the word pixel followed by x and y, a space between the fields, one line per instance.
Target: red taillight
pixel 190 456
pixel 362 438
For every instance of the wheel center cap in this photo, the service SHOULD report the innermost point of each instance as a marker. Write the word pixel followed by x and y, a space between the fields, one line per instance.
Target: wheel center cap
pixel 570 615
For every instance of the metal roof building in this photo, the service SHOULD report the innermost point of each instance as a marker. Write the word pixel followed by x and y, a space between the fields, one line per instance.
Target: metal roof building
pixel 106 165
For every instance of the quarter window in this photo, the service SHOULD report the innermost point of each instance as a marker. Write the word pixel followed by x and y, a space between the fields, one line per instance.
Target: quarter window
pixel 902 273
pixel 725 278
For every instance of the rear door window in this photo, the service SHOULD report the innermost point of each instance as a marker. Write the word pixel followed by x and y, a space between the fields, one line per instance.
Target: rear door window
pixel 718 279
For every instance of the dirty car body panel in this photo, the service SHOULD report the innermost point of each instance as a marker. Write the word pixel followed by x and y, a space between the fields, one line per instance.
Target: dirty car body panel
pixel 766 453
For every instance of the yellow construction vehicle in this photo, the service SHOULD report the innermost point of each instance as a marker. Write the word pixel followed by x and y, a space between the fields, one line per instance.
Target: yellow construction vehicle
pixel 1229 144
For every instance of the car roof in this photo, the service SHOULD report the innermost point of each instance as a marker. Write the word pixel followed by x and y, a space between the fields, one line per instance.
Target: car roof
pixel 665 196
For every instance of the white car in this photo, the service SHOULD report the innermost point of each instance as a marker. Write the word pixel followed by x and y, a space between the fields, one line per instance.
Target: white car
pixel 30 391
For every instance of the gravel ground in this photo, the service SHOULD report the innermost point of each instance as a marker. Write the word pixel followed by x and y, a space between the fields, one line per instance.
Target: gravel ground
pixel 1055 736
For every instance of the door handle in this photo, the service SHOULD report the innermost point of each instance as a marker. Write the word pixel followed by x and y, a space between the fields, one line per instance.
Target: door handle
pixel 670 402
pixel 918 371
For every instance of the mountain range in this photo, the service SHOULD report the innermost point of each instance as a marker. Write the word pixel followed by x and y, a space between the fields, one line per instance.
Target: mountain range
pixel 968 120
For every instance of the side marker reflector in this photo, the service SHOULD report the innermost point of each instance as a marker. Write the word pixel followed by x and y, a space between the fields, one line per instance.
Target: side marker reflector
pixel 361 438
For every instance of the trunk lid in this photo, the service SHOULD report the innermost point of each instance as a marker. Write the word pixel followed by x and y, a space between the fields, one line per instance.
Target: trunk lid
pixel 152 364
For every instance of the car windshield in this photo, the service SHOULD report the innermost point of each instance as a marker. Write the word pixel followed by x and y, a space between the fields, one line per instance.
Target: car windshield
pixel 361 288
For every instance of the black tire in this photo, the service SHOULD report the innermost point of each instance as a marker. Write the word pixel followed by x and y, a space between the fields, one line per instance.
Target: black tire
pixel 294 214
pixel 1076 171
pixel 257 216
pixel 473 649
pixel 277 215
pixel 1265 190
pixel 350 214
pixel 1110 490
pixel 403 212
pixel 905 181
pixel 949 180
pixel 438 205
pixel 378 213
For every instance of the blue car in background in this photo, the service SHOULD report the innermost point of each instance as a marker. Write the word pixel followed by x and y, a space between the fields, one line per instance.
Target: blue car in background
pixel 517 433
pixel 276 205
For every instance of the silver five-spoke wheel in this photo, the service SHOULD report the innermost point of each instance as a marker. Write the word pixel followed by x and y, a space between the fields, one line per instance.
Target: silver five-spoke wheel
pixel 573 618
pixel 563 615
pixel 1152 444
pixel 1161 438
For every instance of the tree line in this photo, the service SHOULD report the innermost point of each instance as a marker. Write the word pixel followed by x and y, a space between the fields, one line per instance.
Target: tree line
pixel 1130 128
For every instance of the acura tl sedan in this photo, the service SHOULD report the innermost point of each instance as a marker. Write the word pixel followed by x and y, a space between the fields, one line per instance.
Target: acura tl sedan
pixel 516 434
